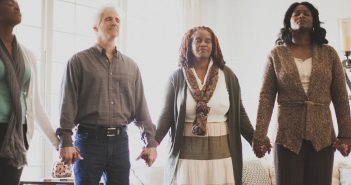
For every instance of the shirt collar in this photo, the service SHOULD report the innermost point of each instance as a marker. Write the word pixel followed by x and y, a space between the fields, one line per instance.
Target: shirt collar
pixel 103 50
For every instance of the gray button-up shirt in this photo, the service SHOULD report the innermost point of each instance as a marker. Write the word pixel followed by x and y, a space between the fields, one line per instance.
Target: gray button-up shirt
pixel 102 92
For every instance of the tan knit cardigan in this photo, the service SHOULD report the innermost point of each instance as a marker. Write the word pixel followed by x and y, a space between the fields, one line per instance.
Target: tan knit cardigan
pixel 304 115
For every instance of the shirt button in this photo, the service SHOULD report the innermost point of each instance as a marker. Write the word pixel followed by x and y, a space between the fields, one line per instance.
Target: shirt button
pixel 111 73
pixel 112 102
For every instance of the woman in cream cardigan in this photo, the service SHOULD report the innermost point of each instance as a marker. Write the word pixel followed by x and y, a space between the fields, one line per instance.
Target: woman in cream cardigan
pixel 305 75
pixel 19 97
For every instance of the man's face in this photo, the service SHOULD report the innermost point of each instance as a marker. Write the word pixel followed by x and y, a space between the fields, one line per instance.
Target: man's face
pixel 108 28
pixel 10 12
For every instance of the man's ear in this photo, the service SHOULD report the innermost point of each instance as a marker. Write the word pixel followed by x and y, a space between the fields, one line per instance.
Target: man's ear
pixel 95 28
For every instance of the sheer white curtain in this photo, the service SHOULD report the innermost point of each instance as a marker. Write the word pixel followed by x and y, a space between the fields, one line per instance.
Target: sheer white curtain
pixel 152 35
pixel 192 13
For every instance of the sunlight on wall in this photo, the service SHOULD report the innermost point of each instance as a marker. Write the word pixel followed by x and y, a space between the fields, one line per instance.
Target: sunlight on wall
pixel 153 41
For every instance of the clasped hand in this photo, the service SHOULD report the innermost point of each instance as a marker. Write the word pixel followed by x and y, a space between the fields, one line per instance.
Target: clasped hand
pixel 148 154
pixel 261 148
pixel 343 147
pixel 70 154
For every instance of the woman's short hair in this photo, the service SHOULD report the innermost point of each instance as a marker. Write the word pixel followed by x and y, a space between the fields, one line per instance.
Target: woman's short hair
pixel 186 56
pixel 318 35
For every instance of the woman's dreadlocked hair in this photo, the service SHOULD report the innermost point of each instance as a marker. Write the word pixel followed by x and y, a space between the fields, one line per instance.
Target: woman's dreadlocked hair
pixel 186 56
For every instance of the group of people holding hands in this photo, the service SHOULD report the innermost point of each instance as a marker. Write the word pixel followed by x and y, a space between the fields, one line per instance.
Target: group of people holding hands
pixel 203 112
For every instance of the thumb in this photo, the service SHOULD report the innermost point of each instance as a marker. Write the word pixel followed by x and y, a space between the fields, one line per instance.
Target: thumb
pixel 141 154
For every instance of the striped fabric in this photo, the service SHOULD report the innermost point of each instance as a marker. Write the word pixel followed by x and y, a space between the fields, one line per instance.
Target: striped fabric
pixel 205 159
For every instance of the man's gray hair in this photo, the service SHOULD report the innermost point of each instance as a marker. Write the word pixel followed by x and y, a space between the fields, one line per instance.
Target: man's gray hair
pixel 100 12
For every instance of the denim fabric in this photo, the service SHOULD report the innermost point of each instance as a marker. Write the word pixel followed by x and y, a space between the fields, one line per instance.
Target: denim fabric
pixel 103 156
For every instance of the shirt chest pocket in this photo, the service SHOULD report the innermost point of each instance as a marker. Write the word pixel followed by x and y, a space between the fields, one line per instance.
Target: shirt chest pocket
pixel 124 84
pixel 123 92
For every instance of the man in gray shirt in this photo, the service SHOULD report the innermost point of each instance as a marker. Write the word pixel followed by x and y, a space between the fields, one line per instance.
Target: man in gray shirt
pixel 102 94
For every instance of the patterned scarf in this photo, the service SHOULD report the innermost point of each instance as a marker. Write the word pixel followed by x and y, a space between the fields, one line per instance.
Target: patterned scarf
pixel 201 97
pixel 13 147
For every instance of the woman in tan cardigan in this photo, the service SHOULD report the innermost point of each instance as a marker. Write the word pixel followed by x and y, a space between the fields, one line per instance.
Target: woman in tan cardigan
pixel 306 75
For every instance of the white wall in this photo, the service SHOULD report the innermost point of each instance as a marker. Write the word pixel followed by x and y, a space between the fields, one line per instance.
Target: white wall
pixel 247 30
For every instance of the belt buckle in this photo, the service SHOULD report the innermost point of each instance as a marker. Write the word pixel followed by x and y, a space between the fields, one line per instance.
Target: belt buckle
pixel 111 132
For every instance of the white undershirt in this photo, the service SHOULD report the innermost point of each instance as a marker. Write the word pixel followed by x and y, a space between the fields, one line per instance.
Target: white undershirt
pixel 219 102
pixel 304 68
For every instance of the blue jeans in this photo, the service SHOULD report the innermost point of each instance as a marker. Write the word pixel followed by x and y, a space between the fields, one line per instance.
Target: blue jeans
pixel 103 156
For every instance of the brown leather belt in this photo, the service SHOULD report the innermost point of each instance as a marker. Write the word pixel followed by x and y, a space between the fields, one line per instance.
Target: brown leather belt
pixel 100 131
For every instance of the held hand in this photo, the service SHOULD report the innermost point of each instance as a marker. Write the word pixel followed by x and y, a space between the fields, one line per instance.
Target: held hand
pixel 343 145
pixel 69 154
pixel 149 155
pixel 77 155
pixel 152 155
pixel 261 149
pixel 343 148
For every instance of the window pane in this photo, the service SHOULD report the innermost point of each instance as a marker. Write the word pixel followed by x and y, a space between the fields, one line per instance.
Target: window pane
pixel 63 16
pixel 58 69
pixel 31 12
pixel 56 78
pixel 54 101
pixel 30 37
pixel 84 20
pixel 63 46
pixel 104 2
pixel 70 1
pixel 84 42
pixel 91 3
